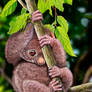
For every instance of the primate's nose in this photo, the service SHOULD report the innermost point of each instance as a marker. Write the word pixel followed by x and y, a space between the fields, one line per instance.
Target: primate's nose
pixel 40 61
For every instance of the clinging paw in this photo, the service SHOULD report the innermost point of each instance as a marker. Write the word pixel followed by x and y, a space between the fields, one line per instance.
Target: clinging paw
pixel 45 40
pixel 54 72
pixel 36 16
pixel 55 86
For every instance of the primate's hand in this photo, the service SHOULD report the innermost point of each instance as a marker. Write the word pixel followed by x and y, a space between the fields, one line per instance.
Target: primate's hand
pixel 54 72
pixel 55 86
pixel 36 16
pixel 47 40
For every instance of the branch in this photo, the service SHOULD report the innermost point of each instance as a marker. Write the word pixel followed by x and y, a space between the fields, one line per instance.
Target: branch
pixel 82 88
pixel 76 68
pixel 46 50
pixel 87 75
pixel 22 4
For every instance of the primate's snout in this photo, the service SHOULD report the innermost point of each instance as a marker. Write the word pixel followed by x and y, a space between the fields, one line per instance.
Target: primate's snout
pixel 41 61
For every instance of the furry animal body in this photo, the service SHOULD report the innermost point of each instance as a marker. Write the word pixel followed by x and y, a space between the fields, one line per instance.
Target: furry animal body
pixel 30 73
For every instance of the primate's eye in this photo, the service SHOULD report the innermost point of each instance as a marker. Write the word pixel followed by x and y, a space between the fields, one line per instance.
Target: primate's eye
pixel 32 52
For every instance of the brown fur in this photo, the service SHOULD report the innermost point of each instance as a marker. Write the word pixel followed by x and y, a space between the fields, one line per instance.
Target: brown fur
pixel 28 76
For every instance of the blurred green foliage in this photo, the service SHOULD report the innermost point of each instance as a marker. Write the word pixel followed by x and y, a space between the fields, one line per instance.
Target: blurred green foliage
pixel 78 18
pixel 60 26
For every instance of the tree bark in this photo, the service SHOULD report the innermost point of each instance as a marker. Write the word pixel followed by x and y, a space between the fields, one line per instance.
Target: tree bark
pixel 47 52
pixel 82 88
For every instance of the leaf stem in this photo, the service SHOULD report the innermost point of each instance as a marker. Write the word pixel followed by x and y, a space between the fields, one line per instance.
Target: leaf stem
pixel 55 17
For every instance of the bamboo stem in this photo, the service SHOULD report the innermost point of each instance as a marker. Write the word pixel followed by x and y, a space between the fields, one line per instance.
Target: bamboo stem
pixel 47 52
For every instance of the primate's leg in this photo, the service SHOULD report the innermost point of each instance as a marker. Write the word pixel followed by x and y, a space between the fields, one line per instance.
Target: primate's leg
pixel 34 86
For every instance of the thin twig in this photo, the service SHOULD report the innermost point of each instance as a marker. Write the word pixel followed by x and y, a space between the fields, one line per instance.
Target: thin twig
pixel 22 4
pixel 76 68
pixel 87 74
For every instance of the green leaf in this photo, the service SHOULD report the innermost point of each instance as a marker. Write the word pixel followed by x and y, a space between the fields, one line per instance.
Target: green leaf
pixel 57 34
pixel 9 8
pixel 68 2
pixel 63 23
pixel 23 11
pixel 0 9
pixel 59 4
pixel 18 23
pixel 2 88
pixel 1 60
pixel 44 5
pixel 41 5
pixel 50 27
pixel 48 5
pixel 9 90
pixel 64 39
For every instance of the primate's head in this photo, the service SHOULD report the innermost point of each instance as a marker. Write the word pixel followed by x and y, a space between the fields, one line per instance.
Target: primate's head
pixel 33 52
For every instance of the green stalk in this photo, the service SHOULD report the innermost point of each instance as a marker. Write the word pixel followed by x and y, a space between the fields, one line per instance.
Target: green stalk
pixel 47 52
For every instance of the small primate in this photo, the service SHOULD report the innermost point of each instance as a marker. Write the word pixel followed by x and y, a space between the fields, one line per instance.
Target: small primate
pixel 30 74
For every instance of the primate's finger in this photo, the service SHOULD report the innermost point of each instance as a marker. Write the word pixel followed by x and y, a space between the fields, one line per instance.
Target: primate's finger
pixel 44 43
pixel 44 40
pixel 51 70
pixel 36 12
pixel 52 81
pixel 54 75
pixel 37 19
pixel 37 15
pixel 44 37
pixel 58 89
pixel 55 83
pixel 58 86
